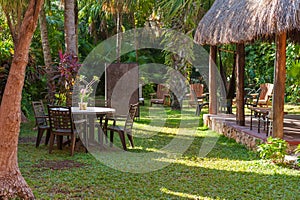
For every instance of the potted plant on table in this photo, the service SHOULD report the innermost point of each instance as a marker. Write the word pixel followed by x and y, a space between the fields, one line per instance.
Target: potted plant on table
pixel 86 90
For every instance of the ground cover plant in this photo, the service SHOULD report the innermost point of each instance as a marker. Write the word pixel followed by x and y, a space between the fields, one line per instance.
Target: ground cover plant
pixel 229 171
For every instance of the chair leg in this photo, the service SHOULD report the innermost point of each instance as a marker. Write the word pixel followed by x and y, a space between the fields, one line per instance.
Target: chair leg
pixel 59 140
pixel 73 140
pixel 100 136
pixel 47 136
pixel 122 138
pixel 105 133
pixel 129 135
pixel 197 110
pixel 51 142
pixel 39 137
pixel 111 137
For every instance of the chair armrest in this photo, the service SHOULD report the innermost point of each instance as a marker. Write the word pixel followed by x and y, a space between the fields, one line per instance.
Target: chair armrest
pixel 42 117
pixel 152 95
pixel 203 96
pixel 115 119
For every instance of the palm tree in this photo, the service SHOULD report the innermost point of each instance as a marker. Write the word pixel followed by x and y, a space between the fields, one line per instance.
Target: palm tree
pixel 70 27
pixel 181 16
pixel 22 22
pixel 47 54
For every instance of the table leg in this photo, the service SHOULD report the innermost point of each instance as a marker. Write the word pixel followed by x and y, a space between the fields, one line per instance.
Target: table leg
pixel 91 134
pixel 251 119
pixel 267 126
pixel 258 128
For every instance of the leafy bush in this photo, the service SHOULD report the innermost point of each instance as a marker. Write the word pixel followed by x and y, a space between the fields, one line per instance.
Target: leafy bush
pixel 298 151
pixel 274 149
pixel 293 77
pixel 65 76
pixel 147 90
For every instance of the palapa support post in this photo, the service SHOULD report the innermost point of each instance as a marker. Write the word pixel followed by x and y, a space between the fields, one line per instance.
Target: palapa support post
pixel 240 74
pixel 213 106
pixel 279 85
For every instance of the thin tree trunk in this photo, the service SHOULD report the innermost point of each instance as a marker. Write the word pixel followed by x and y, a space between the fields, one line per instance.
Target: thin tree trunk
pixel 118 38
pixel 47 56
pixel 70 33
pixel 12 183
pixel 70 38
pixel 76 24
pixel 45 41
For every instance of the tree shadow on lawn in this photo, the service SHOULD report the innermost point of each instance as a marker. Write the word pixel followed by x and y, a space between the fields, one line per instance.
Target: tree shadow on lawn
pixel 186 177
pixel 228 184
pixel 221 147
pixel 198 179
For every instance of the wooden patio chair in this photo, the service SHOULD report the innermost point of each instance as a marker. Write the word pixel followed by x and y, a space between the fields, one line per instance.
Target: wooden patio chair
pixel 197 97
pixel 196 92
pixel 125 129
pixel 61 124
pixel 261 97
pixel 161 96
pixel 41 122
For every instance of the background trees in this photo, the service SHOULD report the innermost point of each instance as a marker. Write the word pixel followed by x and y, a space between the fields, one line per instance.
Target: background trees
pixel 96 22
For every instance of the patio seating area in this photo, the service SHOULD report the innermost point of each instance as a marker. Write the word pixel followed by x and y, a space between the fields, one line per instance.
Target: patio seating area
pixel 226 124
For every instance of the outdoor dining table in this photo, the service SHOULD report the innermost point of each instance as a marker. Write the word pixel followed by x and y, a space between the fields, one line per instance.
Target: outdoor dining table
pixel 91 114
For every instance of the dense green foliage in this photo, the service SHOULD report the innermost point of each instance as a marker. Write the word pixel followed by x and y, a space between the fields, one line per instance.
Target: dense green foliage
pixel 260 67
pixel 274 149
pixel 97 22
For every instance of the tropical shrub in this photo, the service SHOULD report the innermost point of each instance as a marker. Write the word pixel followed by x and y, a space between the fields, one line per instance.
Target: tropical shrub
pixel 66 72
pixel 298 151
pixel 274 149
pixel 293 77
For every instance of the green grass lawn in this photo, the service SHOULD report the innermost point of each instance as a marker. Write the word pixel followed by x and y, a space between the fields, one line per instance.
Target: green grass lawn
pixel 228 171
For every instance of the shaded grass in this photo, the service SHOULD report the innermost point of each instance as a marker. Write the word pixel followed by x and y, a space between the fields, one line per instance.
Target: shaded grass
pixel 229 171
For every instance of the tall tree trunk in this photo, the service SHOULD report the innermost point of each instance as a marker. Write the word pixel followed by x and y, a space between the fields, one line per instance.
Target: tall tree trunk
pixel 47 55
pixel 11 181
pixel 118 47
pixel 70 38
pixel 44 37
pixel 70 32
pixel 76 24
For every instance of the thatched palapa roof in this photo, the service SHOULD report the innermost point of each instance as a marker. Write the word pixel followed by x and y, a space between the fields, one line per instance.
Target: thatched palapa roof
pixel 240 21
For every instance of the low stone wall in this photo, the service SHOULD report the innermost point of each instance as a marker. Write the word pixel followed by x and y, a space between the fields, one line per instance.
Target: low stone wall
pixel 223 125
pixel 226 125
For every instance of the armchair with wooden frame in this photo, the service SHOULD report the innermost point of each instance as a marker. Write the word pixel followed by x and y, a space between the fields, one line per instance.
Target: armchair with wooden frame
pixel 261 97
pixel 41 121
pixel 197 97
pixel 161 96
pixel 61 124
pixel 124 129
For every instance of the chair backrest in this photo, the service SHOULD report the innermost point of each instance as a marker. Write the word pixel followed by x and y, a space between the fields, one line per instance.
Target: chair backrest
pixel 198 89
pixel 130 117
pixel 60 118
pixel 161 91
pixel 266 90
pixel 39 113
pixel 193 95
